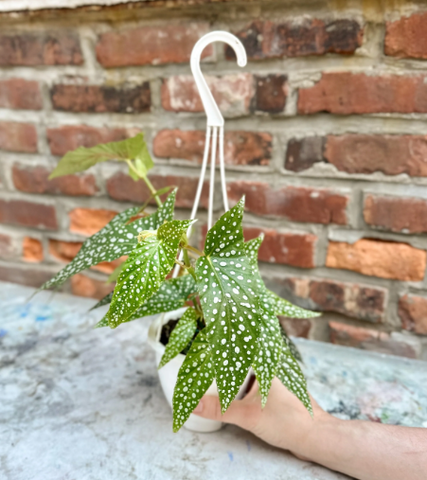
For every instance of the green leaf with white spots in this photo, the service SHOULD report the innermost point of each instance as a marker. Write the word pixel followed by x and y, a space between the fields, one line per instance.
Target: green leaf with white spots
pixel 104 301
pixel 181 336
pixel 230 304
pixel 171 295
pixel 145 269
pixel 291 345
pixel 287 309
pixel 83 158
pixel 290 374
pixel 194 377
pixel 114 240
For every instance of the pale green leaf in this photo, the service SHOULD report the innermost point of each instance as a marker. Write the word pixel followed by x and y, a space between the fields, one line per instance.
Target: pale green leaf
pixel 117 238
pixel 230 305
pixel 181 336
pixel 145 269
pixel 83 158
pixel 290 374
pixel 287 309
pixel 115 274
pixel 194 377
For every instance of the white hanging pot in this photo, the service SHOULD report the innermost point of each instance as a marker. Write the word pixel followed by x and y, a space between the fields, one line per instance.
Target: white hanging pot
pixel 169 373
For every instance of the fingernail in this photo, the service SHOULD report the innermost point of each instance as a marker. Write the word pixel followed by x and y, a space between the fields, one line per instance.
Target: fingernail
pixel 199 407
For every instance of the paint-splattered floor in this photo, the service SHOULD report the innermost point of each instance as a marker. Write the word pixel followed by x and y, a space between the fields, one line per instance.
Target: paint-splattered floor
pixel 78 403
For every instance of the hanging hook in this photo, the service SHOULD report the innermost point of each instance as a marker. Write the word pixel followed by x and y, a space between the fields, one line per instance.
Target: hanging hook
pixel 215 119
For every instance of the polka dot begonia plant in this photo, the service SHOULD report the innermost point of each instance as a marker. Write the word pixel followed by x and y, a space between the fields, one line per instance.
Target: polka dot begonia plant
pixel 231 322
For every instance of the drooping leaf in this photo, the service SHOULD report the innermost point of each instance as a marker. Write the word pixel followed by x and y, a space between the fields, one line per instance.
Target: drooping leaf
pixel 117 238
pixel 229 302
pixel 290 374
pixel 145 270
pixel 171 295
pixel 287 309
pixel 181 335
pixel 83 158
pixel 194 377
pixel 104 301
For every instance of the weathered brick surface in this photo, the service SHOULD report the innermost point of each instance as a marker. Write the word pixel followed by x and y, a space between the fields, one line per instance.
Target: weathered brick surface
pixel 18 137
pixel 122 188
pixel 296 249
pixel 150 45
pixel 407 37
pixel 42 48
pixel 28 214
pixel 368 339
pixel 7 246
pixel 32 250
pixel 240 148
pixel 232 93
pixel 299 204
pixel 20 94
pixel 84 286
pixel 87 221
pixel 390 154
pixel 398 214
pixel 398 261
pixel 69 137
pixel 347 93
pixel 413 313
pixel 270 94
pixel 32 276
pixel 302 154
pixel 266 39
pixel 34 179
pixel 99 99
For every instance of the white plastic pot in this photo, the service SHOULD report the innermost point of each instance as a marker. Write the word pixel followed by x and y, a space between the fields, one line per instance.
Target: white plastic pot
pixel 169 373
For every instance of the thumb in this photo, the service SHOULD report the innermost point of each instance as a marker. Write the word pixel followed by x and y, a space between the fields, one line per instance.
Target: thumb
pixel 209 407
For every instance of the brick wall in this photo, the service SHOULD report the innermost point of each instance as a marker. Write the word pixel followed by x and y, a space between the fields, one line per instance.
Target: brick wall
pixel 325 135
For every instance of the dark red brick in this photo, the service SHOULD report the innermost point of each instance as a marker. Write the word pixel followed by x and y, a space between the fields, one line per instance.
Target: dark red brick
pixel 20 94
pixel 302 154
pixel 28 214
pixel 100 98
pixel 413 313
pixel 296 327
pixel 18 137
pixel 271 93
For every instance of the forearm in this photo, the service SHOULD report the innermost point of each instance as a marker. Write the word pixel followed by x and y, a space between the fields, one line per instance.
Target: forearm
pixel 367 451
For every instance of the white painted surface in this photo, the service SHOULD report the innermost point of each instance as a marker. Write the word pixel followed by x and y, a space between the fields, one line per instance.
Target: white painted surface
pixel 21 5
pixel 82 403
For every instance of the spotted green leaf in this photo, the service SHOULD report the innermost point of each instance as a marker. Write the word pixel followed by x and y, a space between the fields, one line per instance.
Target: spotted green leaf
pixel 83 158
pixel 229 302
pixel 171 295
pixel 104 301
pixel 114 240
pixel 181 336
pixel 291 345
pixel 287 309
pixel 145 269
pixel 194 377
pixel 290 374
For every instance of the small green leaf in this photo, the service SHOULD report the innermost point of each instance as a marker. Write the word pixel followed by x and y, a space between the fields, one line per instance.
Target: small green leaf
pixel 104 301
pixel 230 305
pixel 145 269
pixel 194 377
pixel 83 158
pixel 181 336
pixel 291 345
pixel 160 192
pixel 290 374
pixel 287 309
pixel 102 323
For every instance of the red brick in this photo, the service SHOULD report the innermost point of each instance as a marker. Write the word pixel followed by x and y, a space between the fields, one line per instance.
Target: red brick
pixel 348 93
pixel 69 137
pixel 407 37
pixel 232 93
pixel 296 327
pixel 271 93
pixel 240 148
pixel 266 39
pixel 88 221
pixel 302 154
pixel 413 313
pixel 398 214
pixel 34 179
pixel 7 246
pixel 369 339
pixel 296 249
pixel 42 48
pixel 20 94
pixel 121 187
pixel 32 276
pixel 390 154
pixel 154 45
pixel 84 286
pixel 32 250
pixel 100 98
pixel 28 214
pixel 298 204
pixel 18 137
pixel 398 261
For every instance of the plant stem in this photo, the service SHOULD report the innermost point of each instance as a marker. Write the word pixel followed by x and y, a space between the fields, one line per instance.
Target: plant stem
pixel 147 182
pixel 195 250
pixel 190 269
